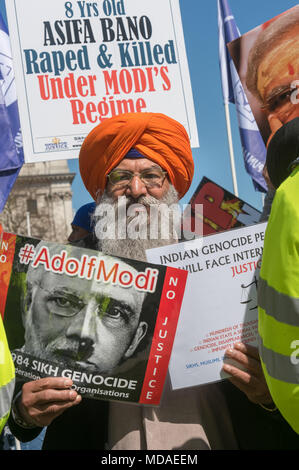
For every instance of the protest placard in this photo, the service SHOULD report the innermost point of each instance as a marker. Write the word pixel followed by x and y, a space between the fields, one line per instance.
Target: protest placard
pixel 221 210
pixel 107 323
pixel 78 63
pixel 220 302
pixel 266 61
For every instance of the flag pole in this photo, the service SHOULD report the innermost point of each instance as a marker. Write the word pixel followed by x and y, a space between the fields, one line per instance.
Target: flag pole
pixel 231 150
pixel 252 142
pixel 28 224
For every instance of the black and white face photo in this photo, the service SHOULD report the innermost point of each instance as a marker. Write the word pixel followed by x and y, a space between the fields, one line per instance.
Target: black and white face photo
pixel 82 323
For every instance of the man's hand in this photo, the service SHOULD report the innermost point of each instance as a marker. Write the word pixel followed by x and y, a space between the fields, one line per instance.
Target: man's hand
pixel 45 399
pixel 251 381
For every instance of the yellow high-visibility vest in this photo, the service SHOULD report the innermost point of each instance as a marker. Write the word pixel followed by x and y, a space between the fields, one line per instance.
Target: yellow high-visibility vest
pixel 278 299
pixel 7 377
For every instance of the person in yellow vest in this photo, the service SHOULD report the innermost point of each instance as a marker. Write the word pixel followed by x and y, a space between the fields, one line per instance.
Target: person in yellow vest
pixel 7 371
pixel 7 378
pixel 278 294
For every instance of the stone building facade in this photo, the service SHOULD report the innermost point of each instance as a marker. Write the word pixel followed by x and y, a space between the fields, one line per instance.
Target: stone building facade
pixel 40 204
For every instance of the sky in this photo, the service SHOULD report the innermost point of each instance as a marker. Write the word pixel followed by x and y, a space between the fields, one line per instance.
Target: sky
pixel 199 18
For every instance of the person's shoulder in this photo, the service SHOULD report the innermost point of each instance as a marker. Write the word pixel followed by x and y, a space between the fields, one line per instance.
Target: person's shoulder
pixel 90 242
pixel 288 191
pixel 291 183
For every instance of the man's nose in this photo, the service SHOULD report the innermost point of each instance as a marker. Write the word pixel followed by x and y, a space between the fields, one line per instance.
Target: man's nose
pixel 136 188
pixel 82 330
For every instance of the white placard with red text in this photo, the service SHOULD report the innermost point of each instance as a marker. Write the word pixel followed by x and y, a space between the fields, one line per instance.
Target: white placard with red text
pixel 220 302
pixel 78 63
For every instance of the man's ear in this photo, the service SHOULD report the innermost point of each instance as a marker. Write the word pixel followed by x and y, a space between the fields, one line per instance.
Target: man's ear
pixel 139 335
pixel 98 196
pixel 275 124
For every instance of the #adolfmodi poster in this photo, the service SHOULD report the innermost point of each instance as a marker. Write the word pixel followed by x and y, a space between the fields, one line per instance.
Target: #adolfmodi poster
pixel 108 323
pixel 219 306
pixel 78 63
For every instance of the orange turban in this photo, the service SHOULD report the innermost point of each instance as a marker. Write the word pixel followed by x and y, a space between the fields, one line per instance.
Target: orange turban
pixel 156 136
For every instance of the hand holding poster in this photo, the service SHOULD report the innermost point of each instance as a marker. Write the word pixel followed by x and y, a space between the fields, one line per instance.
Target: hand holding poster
pixel 220 303
pixel 107 323
pixel 78 63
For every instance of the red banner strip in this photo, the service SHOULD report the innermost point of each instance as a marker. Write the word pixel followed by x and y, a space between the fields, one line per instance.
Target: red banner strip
pixel 166 324
pixel 7 252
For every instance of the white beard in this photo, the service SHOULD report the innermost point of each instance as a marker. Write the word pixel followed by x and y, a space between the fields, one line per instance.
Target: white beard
pixel 151 232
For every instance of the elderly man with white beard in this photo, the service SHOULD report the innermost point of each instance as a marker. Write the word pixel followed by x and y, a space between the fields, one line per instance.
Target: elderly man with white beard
pixel 133 165
pixel 129 224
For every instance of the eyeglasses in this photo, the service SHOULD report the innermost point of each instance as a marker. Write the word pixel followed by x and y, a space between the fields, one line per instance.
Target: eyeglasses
pixel 65 304
pixel 279 98
pixel 151 177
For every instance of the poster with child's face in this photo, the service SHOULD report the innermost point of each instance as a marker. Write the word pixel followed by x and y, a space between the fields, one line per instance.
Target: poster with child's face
pixel 267 60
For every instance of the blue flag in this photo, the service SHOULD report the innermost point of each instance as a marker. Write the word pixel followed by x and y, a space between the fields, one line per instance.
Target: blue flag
pixel 11 146
pixel 254 149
